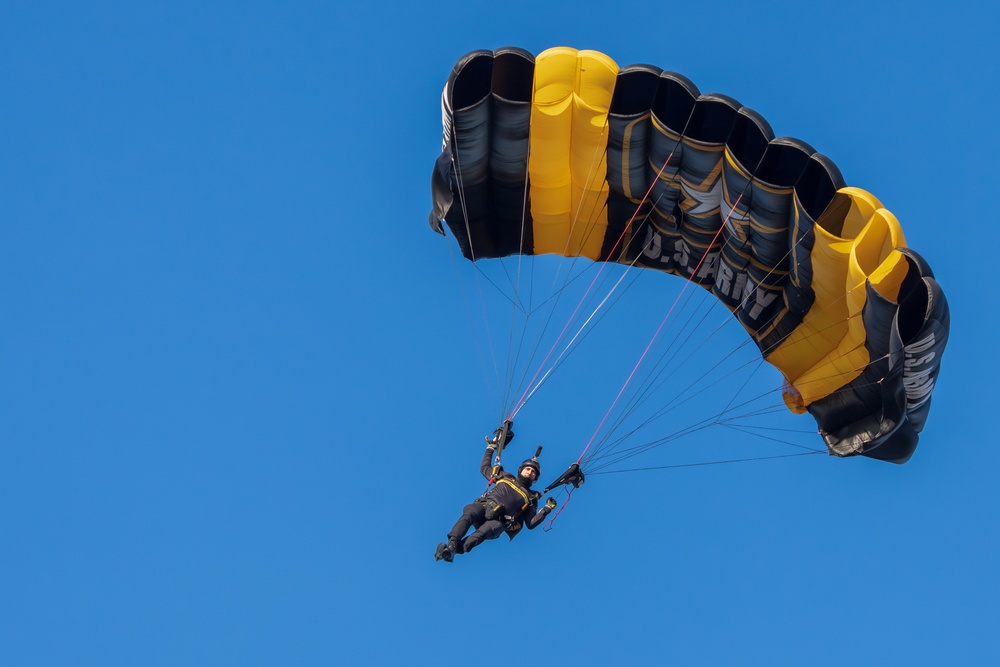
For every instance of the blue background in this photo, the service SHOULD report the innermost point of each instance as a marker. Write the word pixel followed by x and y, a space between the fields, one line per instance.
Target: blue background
pixel 240 393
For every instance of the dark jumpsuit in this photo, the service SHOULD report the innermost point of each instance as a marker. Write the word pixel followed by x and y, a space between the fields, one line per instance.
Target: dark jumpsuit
pixel 520 508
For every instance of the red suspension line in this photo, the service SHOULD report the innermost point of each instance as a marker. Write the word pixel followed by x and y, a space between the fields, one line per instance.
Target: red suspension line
pixel 658 329
pixel 522 400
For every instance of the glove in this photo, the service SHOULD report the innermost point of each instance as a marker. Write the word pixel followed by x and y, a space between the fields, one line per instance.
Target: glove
pixel 550 504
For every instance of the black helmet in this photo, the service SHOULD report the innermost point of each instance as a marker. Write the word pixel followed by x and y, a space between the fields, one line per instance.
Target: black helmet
pixel 530 463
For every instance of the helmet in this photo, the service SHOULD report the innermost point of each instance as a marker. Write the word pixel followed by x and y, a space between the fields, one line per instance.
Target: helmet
pixel 530 463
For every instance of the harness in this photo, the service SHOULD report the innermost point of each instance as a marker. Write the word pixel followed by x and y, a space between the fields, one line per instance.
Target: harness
pixel 496 510
pixel 520 491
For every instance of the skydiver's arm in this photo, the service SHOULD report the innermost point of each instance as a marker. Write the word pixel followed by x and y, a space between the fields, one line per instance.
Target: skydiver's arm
pixel 488 470
pixel 486 467
pixel 532 518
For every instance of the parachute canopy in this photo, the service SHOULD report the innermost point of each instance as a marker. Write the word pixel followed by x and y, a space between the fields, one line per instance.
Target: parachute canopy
pixel 567 153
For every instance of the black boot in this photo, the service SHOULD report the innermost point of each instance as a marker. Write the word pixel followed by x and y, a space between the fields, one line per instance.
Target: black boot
pixel 454 545
pixel 444 553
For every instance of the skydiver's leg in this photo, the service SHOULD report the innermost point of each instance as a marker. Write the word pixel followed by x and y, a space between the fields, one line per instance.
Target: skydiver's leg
pixel 489 530
pixel 474 514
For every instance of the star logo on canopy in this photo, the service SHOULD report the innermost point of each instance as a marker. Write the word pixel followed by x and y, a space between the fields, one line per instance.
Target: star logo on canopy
pixel 698 201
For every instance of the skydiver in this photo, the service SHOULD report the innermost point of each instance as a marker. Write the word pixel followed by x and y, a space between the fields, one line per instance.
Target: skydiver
pixel 507 506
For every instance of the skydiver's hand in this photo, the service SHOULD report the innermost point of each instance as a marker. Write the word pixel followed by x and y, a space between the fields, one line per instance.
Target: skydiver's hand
pixel 494 442
pixel 550 504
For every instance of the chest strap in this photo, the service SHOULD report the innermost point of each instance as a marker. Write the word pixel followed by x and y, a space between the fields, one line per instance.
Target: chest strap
pixel 517 488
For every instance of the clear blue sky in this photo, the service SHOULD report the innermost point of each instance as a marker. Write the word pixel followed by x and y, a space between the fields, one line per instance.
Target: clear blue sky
pixel 240 393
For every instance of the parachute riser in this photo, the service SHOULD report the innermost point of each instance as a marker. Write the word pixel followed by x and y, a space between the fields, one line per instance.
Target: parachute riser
pixel 573 475
pixel 501 440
